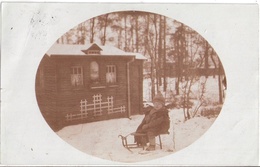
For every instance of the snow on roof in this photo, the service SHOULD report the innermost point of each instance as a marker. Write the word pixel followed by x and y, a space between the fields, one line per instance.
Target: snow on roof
pixel 107 50
pixel 137 55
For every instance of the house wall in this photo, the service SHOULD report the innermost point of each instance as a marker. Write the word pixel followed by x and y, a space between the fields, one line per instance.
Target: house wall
pixel 58 99
pixel 69 97
pixel 46 91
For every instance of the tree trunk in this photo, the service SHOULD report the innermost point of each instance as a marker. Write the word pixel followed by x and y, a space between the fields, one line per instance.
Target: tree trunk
pixel 206 59
pixel 132 39
pixel 148 49
pixel 156 54
pixel 105 29
pixel 220 87
pixel 164 55
pixel 136 34
pixel 160 53
pixel 92 33
pixel 214 62
pixel 119 39
pixel 125 48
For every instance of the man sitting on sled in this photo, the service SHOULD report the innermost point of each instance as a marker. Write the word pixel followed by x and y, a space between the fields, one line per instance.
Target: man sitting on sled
pixel 155 122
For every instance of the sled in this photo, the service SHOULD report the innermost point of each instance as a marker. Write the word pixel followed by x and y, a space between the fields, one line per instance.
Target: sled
pixel 130 146
pixel 134 145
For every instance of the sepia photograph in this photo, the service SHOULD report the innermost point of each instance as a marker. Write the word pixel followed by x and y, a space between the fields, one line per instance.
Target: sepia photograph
pixel 101 78
pixel 130 84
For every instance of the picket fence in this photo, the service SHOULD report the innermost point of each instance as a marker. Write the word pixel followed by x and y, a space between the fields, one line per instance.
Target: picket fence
pixel 97 108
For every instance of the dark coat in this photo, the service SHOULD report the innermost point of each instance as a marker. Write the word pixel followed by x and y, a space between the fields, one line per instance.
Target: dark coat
pixel 154 122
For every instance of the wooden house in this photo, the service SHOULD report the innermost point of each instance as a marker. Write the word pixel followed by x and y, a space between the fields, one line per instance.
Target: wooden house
pixel 85 83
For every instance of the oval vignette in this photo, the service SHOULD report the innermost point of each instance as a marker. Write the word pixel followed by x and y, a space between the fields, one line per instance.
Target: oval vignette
pixel 97 81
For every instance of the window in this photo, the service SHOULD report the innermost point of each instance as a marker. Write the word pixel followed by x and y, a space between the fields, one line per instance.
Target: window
pixel 94 71
pixel 111 74
pixel 76 76
pixel 94 52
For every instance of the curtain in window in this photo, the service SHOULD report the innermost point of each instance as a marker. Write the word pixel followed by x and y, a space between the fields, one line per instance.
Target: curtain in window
pixel 76 79
pixel 94 71
pixel 111 77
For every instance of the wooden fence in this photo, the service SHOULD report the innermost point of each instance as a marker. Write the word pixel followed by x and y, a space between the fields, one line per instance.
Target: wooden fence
pixel 97 108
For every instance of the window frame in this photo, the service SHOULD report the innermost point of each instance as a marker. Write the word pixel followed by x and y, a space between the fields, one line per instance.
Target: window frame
pixel 72 73
pixel 93 52
pixel 112 69
pixel 97 80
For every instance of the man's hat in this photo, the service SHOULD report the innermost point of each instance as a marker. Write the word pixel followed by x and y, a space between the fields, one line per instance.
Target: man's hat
pixel 159 98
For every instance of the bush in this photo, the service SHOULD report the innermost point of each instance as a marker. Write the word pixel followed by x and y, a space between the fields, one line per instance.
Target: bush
pixel 210 111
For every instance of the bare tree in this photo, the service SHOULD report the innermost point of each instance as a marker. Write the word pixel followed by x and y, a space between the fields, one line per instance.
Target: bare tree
pixel 92 30
pixel 152 55
pixel 103 23
pixel 148 34
pixel 180 53
pixel 136 33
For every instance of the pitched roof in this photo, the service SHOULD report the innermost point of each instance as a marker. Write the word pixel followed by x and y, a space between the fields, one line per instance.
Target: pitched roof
pixel 78 50
pixel 94 47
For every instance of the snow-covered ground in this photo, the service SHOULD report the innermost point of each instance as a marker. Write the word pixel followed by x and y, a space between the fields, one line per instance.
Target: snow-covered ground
pixel 101 139
pixel 211 88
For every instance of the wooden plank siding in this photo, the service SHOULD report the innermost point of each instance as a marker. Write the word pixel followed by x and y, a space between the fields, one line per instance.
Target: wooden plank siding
pixel 59 98
pixel 46 92
pixel 70 97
